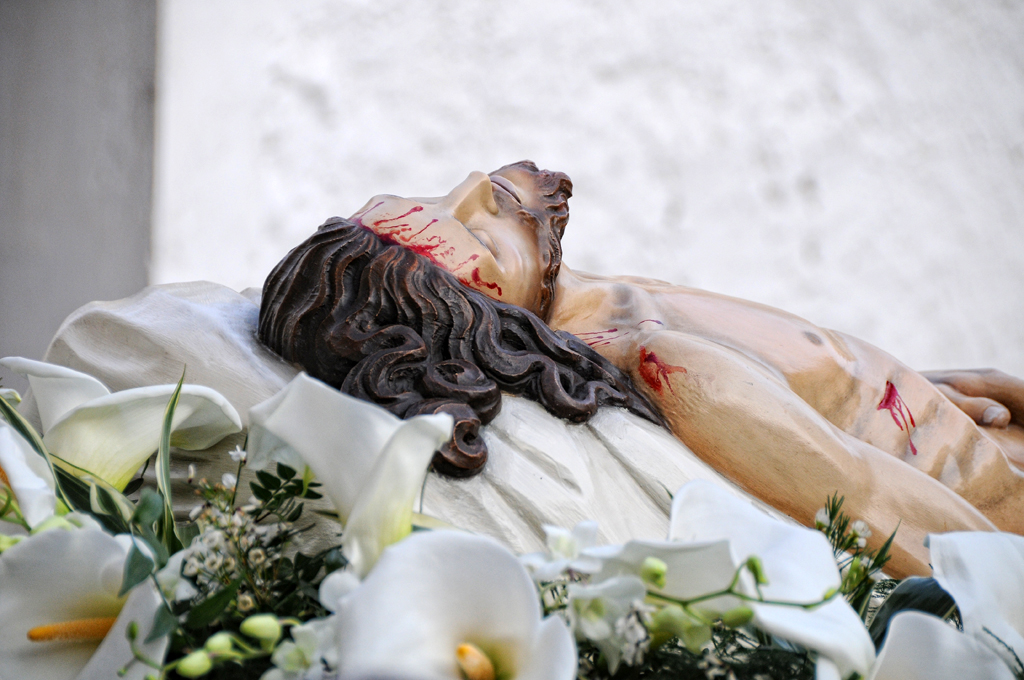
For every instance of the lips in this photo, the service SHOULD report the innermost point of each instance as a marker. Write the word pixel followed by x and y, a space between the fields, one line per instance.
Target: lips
pixel 507 187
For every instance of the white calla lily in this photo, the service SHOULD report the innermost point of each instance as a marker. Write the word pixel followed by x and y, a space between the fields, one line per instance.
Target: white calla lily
pixel 799 567
pixel 438 593
pixel 923 647
pixel 62 586
pixel 984 572
pixel 112 435
pixel 371 463
pixel 27 475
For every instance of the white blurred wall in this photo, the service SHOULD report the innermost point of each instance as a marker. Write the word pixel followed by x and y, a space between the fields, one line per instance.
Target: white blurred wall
pixel 859 164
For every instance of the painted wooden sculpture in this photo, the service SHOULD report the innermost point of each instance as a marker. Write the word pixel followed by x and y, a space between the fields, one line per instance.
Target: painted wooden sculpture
pixel 432 304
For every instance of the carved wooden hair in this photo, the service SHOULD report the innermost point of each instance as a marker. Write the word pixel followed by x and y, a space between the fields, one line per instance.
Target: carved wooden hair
pixel 387 325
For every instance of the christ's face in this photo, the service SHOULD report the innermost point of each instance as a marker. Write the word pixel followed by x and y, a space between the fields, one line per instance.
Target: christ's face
pixel 485 231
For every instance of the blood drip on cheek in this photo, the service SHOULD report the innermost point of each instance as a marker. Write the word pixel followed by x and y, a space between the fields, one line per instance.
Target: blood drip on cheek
pixel 653 369
pixel 900 412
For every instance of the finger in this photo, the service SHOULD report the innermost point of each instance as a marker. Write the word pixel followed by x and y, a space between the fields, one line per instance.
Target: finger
pixel 984 411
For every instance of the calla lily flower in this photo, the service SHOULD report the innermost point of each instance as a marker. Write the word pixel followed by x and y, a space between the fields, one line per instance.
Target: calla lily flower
pixel 371 463
pixel 797 562
pixel 27 475
pixel 443 603
pixel 60 616
pixel 112 434
pixel 923 647
pixel 984 572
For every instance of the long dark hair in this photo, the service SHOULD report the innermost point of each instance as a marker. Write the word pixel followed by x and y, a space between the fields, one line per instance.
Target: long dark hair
pixel 384 324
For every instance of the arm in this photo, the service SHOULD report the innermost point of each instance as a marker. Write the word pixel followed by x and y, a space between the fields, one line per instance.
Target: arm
pixel 747 423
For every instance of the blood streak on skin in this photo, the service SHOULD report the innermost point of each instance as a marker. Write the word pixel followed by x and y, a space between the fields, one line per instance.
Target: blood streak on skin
pixel 599 338
pixel 416 209
pixel 898 409
pixel 358 217
pixel 476 281
pixel 653 369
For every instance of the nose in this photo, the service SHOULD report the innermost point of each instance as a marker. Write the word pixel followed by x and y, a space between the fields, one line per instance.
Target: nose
pixel 470 197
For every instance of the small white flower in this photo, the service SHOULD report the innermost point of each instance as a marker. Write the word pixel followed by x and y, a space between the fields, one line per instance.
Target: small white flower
pixel 191 473
pixel 245 602
pixel 173 586
pixel 213 539
pixel 238 455
pixel 595 611
pixel 257 557
pixel 860 529
pixel 565 551
pixel 633 633
pixel 822 519
pixel 191 567
pixel 213 561
pixel 228 480
pixel 301 657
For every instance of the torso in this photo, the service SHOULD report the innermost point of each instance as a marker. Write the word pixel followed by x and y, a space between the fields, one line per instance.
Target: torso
pixel 858 388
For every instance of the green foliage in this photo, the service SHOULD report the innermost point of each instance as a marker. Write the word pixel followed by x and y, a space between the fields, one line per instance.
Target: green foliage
pixel 735 651
pixel 858 565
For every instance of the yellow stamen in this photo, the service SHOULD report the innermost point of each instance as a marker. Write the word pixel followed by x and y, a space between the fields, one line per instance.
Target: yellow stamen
pixel 3 478
pixel 474 663
pixel 74 631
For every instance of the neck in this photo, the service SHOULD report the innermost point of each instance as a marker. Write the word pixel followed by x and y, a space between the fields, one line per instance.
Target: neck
pixel 577 296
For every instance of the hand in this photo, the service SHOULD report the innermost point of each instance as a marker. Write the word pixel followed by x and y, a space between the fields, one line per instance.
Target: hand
pixel 992 398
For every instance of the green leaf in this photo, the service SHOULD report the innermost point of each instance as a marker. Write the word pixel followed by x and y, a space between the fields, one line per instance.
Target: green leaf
pixel 137 569
pixel 268 480
pixel 149 508
pixel 284 472
pixel 133 486
pixel 168 529
pixel 295 514
pixel 260 493
pixel 164 623
pixel 915 593
pixel 159 550
pixel 22 426
pixel 188 533
pixel 206 612
pixel 312 495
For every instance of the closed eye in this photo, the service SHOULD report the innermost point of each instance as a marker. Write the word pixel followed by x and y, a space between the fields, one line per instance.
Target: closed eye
pixel 507 187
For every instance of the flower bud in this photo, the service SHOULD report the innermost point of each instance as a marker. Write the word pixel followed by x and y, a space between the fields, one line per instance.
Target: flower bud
pixel 757 569
pixel 653 571
pixel 195 665
pixel 220 643
pixel 670 619
pixel 263 627
pixel 133 631
pixel 738 616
